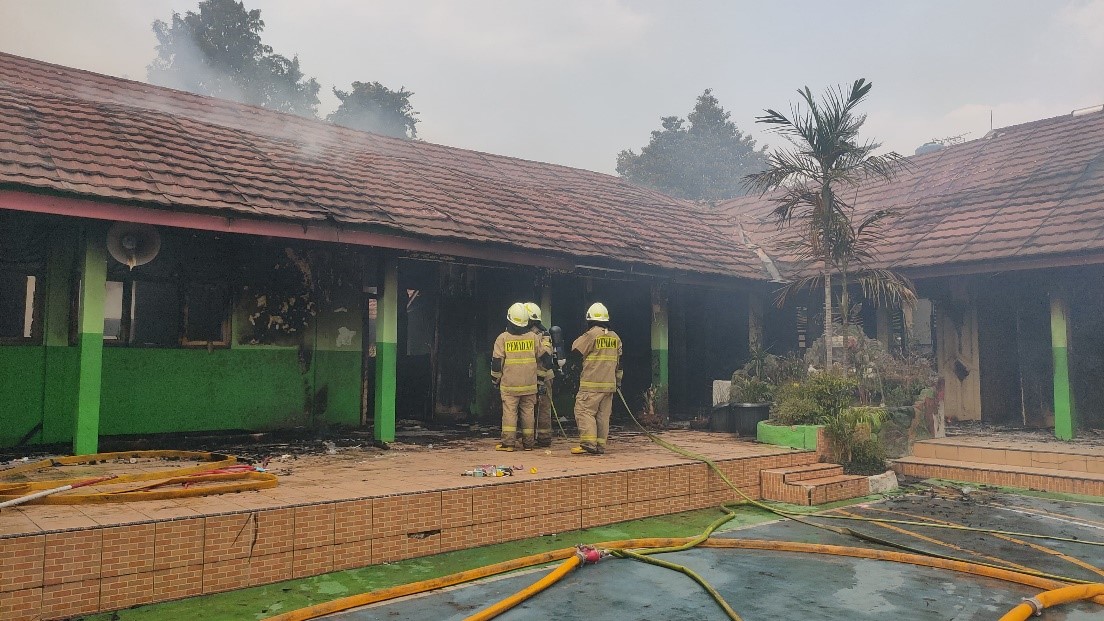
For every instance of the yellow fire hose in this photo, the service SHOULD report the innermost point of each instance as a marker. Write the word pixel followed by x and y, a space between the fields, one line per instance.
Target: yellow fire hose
pixel 219 473
pixel 1034 546
pixel 638 549
pixel 502 606
pixel 639 555
pixel 802 519
pixel 382 595
pixel 1048 599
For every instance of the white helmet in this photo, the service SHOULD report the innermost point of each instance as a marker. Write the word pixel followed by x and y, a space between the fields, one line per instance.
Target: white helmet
pixel 533 310
pixel 597 312
pixel 517 315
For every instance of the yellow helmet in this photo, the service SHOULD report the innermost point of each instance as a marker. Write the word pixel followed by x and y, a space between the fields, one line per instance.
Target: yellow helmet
pixel 533 310
pixel 518 315
pixel 597 312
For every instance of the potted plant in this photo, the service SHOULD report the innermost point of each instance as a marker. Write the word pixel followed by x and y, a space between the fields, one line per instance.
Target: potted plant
pixel 749 402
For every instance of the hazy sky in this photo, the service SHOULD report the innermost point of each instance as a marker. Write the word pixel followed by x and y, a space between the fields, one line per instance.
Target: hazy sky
pixel 575 81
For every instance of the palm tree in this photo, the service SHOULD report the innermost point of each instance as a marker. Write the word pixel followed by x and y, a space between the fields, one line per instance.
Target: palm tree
pixel 808 180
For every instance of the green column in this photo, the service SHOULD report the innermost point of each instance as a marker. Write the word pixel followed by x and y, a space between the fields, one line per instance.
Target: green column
pixel 1065 423
pixel 660 369
pixel 387 328
pixel 86 436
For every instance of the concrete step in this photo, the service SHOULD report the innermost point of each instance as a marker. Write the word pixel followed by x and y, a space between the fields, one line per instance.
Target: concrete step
pixel 815 484
pixel 812 471
pixel 1051 456
pixel 793 474
pixel 833 488
pixel 1044 479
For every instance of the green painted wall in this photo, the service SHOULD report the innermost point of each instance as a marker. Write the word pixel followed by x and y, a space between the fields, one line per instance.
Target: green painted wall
pixel 149 390
pixel 20 391
pixel 159 390
pixel 793 436
pixel 165 390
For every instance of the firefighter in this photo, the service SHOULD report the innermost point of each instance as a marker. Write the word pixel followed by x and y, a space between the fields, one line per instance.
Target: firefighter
pixel 545 374
pixel 600 350
pixel 514 364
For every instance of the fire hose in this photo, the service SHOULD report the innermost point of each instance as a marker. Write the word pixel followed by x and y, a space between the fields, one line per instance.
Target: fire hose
pixel 424 586
pixel 1049 599
pixel 640 549
pixel 220 474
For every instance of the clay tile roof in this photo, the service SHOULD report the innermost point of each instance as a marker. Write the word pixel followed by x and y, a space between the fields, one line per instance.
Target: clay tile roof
pixel 72 131
pixel 1026 192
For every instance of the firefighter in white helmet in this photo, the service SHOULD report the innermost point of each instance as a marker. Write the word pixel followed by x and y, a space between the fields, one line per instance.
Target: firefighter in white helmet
pixel 600 349
pixel 514 364
pixel 545 374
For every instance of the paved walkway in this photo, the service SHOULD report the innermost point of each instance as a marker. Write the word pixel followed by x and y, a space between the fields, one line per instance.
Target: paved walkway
pixel 361 472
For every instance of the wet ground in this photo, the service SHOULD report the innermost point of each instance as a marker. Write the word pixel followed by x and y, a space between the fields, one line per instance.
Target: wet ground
pixel 774 585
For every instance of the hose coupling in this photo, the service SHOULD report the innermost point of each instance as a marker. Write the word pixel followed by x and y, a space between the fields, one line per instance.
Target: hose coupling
pixel 1036 606
pixel 590 555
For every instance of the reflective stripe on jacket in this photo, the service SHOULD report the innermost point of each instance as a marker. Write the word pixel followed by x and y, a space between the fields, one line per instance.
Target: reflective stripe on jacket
pixel 518 353
pixel 601 350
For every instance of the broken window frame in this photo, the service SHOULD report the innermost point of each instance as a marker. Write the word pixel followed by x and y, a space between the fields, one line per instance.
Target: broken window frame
pixel 129 309
pixel 33 307
pixel 227 312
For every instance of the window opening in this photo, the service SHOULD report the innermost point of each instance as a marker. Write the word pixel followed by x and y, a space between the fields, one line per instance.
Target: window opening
pixel 113 311
pixel 205 317
pixel 155 313
pixel 18 319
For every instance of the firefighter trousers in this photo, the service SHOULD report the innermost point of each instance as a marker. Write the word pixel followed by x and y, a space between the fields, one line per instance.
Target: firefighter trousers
pixel 544 415
pixel 515 407
pixel 592 415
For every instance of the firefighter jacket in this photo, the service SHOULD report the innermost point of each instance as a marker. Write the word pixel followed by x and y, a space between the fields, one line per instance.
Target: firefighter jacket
pixel 546 360
pixel 601 351
pixel 514 362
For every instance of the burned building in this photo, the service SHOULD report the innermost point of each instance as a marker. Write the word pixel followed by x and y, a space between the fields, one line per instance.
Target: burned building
pixel 171 263
pixel 1003 238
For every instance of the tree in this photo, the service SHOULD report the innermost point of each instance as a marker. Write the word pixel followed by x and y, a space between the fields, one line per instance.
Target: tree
pixel 372 107
pixel 702 157
pixel 827 156
pixel 218 52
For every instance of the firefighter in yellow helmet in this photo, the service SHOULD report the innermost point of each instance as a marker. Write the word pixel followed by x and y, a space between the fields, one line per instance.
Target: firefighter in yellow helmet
pixel 514 364
pixel 545 374
pixel 600 349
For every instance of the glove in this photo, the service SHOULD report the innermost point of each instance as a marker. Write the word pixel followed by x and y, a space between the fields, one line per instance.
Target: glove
pixel 495 382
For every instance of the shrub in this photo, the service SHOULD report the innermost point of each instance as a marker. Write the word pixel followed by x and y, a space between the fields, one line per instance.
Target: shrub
pixel 850 427
pixel 867 458
pixel 832 392
pixel 776 370
pixel 901 379
pixel 749 390
pixel 793 405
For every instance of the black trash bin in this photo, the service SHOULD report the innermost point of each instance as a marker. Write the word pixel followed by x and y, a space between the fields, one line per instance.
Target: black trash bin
pixel 739 418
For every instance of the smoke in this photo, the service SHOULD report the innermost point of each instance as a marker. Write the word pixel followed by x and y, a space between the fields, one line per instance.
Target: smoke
pixel 189 69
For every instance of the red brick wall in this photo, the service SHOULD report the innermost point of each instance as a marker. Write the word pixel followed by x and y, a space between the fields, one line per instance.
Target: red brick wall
pixel 61 574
